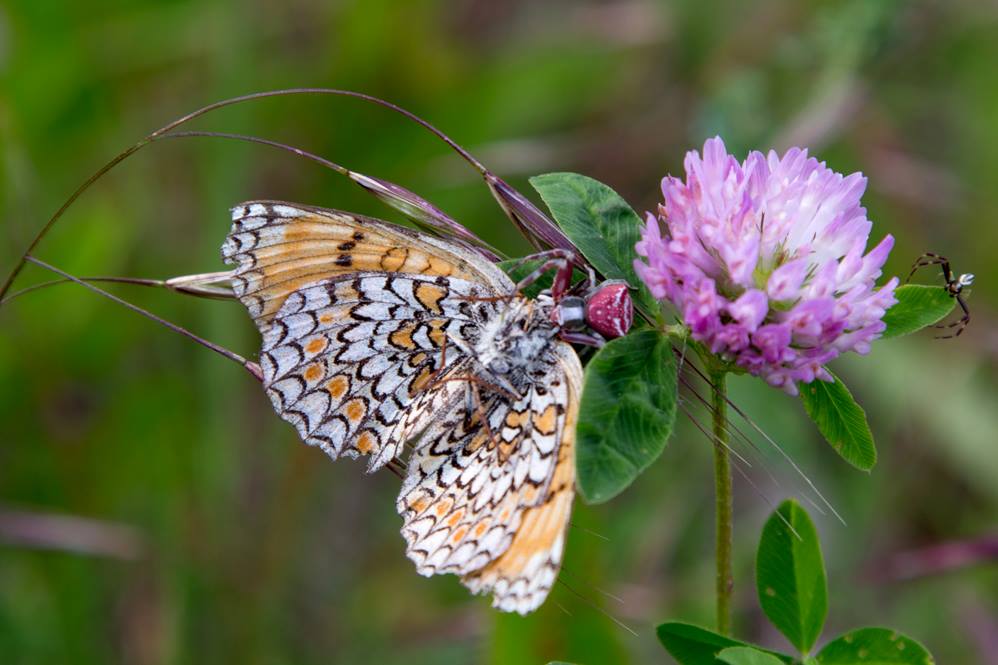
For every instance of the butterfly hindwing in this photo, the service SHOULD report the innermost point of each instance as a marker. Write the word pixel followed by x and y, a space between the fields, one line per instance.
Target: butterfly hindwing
pixel 347 360
pixel 492 504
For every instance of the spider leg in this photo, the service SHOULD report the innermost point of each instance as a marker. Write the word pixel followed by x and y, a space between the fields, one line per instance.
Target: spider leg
pixel 960 325
pixel 559 264
pixel 469 406
pixel 573 337
pixel 590 281
pixel 931 259
pixel 546 254
pixel 560 260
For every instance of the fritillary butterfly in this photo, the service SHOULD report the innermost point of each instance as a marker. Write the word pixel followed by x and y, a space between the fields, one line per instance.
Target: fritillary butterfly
pixel 383 342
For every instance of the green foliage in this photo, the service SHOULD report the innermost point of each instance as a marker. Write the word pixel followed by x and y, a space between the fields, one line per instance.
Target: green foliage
pixel 790 576
pixel 628 405
pixel 874 646
pixel 105 416
pixel 601 224
pixel 840 420
pixel 747 656
pixel 693 645
pixel 626 414
pixel 790 579
pixel 918 306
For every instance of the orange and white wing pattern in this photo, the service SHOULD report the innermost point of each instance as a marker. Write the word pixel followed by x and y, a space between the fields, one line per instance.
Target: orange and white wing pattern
pixel 355 362
pixel 378 340
pixel 492 503
pixel 280 248
pixel 355 314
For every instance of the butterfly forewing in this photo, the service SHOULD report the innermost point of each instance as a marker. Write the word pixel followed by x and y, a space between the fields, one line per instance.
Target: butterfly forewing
pixel 281 248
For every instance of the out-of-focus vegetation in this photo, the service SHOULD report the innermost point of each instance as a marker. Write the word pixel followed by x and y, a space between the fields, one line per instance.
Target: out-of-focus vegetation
pixel 220 538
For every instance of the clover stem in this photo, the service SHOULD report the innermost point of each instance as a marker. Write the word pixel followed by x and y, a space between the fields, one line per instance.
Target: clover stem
pixel 723 501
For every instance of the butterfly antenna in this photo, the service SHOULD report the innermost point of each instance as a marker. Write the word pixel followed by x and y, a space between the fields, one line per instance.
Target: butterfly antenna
pixel 172 125
pixel 139 281
pixel 251 367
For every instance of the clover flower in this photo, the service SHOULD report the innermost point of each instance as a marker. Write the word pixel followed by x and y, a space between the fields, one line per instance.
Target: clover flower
pixel 765 261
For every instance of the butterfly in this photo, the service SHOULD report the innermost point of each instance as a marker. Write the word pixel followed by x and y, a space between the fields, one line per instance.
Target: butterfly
pixel 410 349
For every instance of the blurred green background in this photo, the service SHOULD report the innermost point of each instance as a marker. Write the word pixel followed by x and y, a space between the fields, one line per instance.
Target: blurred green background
pixel 201 531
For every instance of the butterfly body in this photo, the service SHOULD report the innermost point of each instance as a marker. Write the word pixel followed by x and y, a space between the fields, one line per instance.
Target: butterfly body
pixel 382 342
pixel 515 343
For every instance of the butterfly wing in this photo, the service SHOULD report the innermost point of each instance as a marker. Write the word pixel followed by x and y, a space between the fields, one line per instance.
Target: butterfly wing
pixel 362 321
pixel 368 336
pixel 280 248
pixel 492 503
pixel 358 364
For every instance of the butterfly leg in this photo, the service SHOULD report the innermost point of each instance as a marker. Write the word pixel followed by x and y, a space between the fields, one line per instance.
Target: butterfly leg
pixel 482 416
pixel 396 467
pixel 435 377
pixel 469 406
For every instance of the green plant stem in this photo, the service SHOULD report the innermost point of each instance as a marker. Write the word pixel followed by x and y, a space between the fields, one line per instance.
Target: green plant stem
pixel 723 501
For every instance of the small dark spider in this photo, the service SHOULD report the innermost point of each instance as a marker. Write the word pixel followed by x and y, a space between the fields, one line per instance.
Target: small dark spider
pixel 954 287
